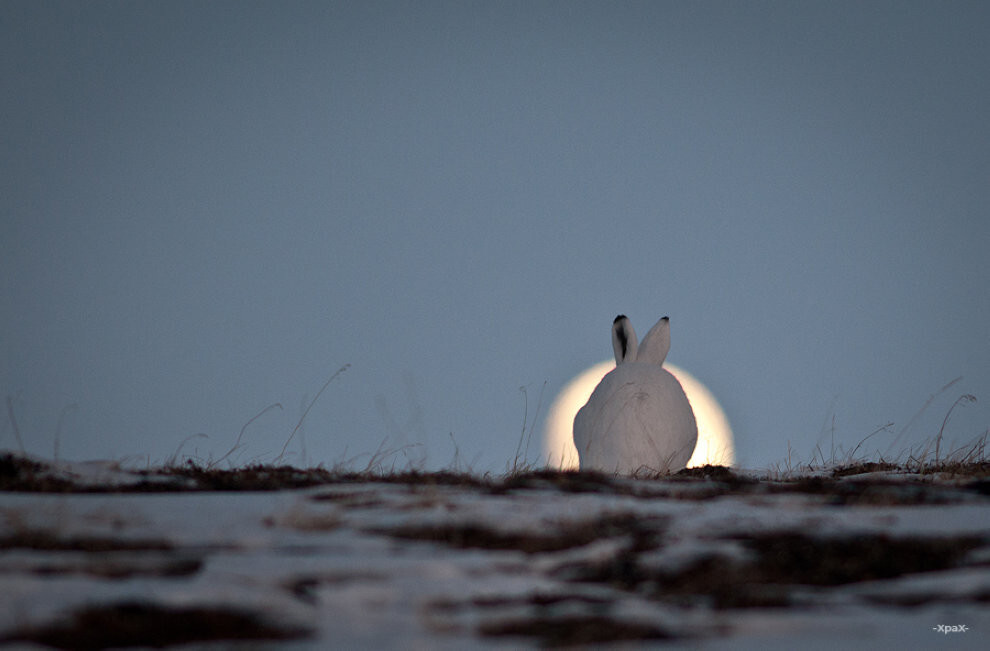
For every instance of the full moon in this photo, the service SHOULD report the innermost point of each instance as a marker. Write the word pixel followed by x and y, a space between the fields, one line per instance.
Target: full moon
pixel 715 445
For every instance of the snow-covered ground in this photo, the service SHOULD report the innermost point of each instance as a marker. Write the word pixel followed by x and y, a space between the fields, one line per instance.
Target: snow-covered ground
pixel 435 561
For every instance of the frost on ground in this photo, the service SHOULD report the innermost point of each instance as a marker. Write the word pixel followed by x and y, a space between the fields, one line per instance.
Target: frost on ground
pixel 94 556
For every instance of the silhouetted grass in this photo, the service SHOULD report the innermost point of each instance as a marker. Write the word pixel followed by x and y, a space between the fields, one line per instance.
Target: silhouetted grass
pixel 22 474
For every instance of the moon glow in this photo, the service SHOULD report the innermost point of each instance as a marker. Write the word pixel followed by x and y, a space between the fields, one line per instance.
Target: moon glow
pixel 715 443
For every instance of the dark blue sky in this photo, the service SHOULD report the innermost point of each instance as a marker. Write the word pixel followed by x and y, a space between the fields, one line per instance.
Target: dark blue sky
pixel 210 207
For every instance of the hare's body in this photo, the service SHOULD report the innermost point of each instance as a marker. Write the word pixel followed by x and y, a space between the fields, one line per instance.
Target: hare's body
pixel 638 417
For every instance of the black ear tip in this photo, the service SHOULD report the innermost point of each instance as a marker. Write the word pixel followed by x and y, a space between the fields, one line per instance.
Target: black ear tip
pixel 619 318
pixel 666 318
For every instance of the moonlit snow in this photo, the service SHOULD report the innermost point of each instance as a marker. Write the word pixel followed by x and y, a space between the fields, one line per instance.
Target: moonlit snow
pixel 638 417
pixel 738 560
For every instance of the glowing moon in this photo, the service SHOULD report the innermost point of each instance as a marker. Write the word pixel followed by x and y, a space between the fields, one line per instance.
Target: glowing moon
pixel 715 444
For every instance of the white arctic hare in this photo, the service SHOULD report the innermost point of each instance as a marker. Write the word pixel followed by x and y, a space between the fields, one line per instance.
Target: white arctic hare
pixel 638 416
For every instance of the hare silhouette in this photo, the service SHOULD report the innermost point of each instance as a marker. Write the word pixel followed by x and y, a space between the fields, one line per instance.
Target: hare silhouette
pixel 638 418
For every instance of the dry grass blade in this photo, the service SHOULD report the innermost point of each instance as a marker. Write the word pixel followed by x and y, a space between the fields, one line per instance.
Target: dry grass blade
pixel 302 418
pixel 965 398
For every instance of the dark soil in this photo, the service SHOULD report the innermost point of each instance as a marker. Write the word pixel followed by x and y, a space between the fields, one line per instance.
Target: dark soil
pixel 135 624
pixel 40 540
pixel 20 474
pixel 567 535
pixel 778 564
pixel 573 630
pixel 775 569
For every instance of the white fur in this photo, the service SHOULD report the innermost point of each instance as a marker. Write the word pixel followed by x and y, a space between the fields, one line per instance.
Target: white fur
pixel 638 417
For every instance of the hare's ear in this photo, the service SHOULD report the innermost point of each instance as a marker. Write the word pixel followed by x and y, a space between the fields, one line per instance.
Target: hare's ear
pixel 624 341
pixel 656 343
